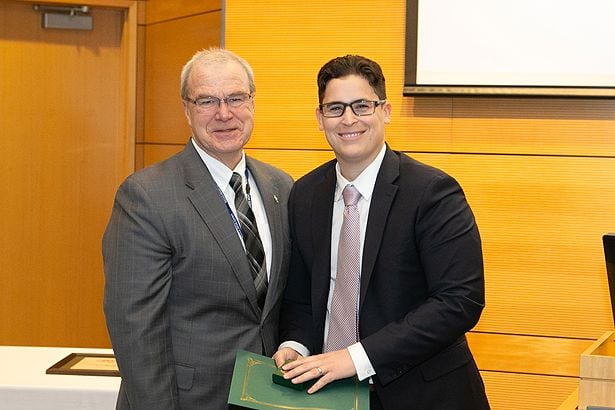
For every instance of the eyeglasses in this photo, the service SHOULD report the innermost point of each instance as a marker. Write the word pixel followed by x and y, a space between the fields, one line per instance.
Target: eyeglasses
pixel 360 108
pixel 210 103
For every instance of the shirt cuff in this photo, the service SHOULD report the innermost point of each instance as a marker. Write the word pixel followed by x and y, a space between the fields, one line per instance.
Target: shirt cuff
pixel 297 347
pixel 361 362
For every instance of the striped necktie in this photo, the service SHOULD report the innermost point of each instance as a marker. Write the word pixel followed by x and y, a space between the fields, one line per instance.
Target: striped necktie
pixel 251 239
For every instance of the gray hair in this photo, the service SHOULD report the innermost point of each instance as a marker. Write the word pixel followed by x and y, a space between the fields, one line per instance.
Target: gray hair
pixel 210 56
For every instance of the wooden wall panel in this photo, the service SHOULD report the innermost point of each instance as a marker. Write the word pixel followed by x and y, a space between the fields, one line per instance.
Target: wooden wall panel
pixel 296 163
pixel 541 219
pixel 153 153
pixel 533 126
pixel 174 31
pixel 164 10
pixel 294 41
pixel 438 124
pixel 165 54
pixel 528 354
pixel 527 392
pixel 541 227
pixel 140 78
pixel 463 125
pixel 67 115
pixel 288 41
pixel 537 172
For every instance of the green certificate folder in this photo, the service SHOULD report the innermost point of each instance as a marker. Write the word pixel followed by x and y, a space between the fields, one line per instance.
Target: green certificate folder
pixel 252 387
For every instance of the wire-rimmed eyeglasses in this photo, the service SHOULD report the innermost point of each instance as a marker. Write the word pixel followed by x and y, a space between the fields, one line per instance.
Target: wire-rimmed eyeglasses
pixel 359 108
pixel 209 103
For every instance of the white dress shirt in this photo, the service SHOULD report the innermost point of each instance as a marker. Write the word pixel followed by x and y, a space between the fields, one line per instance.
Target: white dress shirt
pixel 222 177
pixel 364 183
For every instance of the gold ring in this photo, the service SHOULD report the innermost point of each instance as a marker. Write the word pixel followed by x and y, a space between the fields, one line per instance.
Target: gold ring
pixel 319 371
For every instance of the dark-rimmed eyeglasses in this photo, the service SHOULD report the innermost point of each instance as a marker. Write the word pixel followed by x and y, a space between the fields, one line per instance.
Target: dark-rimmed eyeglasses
pixel 359 108
pixel 210 103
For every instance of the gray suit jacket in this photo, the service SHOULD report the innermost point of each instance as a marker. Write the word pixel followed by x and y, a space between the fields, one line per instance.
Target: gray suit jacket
pixel 179 297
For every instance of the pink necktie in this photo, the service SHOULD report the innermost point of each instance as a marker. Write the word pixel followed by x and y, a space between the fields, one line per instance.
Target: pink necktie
pixel 344 319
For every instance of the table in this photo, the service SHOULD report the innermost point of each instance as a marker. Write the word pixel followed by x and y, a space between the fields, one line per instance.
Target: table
pixel 25 386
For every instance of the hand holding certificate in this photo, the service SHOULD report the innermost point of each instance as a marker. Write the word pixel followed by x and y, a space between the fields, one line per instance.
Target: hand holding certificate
pixel 253 387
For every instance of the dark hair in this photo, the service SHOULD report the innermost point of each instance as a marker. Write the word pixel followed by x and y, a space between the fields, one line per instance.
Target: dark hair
pixel 349 65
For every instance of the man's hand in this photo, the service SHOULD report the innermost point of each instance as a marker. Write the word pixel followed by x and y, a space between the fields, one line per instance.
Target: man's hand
pixel 284 355
pixel 325 367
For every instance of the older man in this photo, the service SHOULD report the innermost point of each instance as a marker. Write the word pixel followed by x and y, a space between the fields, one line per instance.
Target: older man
pixel 196 251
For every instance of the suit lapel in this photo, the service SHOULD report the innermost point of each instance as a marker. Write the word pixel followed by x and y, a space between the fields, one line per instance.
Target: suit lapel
pixel 321 221
pixel 205 197
pixel 384 193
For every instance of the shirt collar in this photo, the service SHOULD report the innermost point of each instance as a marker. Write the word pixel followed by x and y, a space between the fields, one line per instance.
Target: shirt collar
pixel 366 180
pixel 220 172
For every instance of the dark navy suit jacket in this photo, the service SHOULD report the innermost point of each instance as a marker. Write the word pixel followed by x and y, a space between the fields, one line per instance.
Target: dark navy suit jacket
pixel 422 282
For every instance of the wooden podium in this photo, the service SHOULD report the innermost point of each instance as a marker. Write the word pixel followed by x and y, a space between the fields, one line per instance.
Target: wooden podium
pixel 597 373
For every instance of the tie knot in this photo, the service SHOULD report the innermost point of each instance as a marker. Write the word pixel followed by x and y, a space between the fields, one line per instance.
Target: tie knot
pixel 351 195
pixel 236 182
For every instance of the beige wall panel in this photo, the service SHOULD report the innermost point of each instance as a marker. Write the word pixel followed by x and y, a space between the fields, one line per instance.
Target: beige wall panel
pixel 66 112
pixel 509 391
pixel 168 46
pixel 163 10
pixel 541 221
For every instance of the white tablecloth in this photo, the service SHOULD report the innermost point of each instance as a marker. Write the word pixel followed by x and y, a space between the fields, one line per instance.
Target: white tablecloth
pixel 25 386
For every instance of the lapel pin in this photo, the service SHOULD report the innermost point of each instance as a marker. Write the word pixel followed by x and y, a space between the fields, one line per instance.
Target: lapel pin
pixel 275 198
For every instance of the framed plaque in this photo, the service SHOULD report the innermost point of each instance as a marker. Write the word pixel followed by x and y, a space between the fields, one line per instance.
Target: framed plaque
pixel 86 364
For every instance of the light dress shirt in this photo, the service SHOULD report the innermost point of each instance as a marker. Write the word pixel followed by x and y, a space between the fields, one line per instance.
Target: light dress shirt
pixel 222 177
pixel 364 183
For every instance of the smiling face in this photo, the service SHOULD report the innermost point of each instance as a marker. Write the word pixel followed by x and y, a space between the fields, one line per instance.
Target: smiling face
pixel 356 140
pixel 223 131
